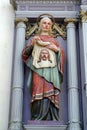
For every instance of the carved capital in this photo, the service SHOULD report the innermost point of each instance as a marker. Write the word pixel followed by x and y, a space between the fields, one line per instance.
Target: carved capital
pixel 83 15
pixel 18 20
pixel 70 20
pixel 13 4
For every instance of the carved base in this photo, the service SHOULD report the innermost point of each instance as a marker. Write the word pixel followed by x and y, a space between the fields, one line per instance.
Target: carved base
pixel 15 125
pixel 45 125
pixel 39 127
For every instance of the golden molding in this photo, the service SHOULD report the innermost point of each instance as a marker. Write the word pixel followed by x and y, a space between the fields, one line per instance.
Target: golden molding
pixel 57 30
pixel 70 20
pixel 24 20
pixel 83 15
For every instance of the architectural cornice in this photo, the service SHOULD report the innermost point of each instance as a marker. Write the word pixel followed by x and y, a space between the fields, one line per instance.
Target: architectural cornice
pixel 49 1
pixel 58 5
pixel 56 14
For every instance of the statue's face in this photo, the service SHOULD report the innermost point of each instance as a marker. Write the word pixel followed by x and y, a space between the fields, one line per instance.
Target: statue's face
pixel 46 25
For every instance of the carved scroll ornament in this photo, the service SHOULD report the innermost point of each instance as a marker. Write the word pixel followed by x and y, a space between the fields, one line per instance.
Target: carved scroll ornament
pixel 57 29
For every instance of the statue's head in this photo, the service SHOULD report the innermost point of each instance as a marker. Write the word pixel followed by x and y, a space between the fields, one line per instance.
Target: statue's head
pixel 45 22
pixel 45 25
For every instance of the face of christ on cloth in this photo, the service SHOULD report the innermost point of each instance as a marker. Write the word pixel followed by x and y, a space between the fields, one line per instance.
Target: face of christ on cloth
pixel 44 55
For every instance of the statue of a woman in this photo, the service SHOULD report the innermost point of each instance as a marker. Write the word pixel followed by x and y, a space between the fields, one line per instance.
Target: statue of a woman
pixel 45 58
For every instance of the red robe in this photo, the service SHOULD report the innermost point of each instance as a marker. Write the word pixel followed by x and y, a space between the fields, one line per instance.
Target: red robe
pixel 41 88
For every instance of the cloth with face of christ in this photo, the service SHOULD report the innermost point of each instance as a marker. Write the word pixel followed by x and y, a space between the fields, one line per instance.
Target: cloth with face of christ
pixel 42 56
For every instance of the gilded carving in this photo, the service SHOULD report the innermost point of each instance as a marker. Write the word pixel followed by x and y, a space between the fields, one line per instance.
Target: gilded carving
pixel 57 30
pixel 60 30
pixel 83 15
pixel 17 20
pixel 31 30
pixel 70 20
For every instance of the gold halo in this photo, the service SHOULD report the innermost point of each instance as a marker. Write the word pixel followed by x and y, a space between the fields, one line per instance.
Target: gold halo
pixel 43 15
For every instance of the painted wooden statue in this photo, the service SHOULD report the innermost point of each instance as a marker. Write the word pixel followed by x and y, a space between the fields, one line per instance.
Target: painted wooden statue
pixel 45 58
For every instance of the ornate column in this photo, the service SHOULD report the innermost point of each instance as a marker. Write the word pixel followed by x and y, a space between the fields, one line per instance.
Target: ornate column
pixel 83 15
pixel 73 101
pixel 18 77
pixel 6 54
pixel 84 35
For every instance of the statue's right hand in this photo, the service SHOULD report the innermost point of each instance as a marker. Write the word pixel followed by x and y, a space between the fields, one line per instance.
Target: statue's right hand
pixel 35 39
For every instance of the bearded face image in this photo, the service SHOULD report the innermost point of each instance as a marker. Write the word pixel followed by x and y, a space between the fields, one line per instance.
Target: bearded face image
pixel 44 55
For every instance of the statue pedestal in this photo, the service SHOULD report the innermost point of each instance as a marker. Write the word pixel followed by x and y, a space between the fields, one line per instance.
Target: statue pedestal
pixel 45 125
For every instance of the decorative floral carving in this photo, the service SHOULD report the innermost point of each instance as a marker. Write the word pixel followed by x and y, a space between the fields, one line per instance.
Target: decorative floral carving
pixel 58 30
